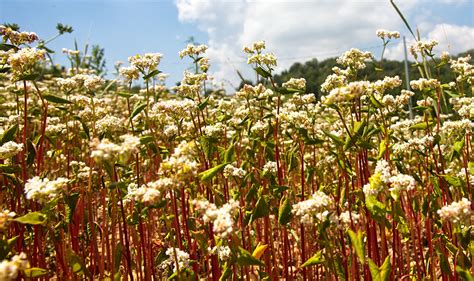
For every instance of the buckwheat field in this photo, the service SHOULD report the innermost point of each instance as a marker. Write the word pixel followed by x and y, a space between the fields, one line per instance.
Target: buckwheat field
pixel 363 180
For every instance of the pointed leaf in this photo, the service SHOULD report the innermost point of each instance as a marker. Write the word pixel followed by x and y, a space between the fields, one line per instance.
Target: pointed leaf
pixel 138 108
pixel 284 211
pixel 35 272
pixel 245 258
pixel 318 258
pixel 210 173
pixel 259 250
pixel 56 99
pixel 357 242
pixel 33 218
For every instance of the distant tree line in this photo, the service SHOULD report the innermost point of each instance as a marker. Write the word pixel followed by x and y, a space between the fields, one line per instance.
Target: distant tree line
pixel 315 72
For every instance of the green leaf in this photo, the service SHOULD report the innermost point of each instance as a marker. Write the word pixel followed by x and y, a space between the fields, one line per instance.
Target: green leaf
pixel 208 145
pixel 76 263
pixel 382 148
pixel 464 273
pixel 146 139
pixel 382 273
pixel 422 126
pixel 9 135
pixel 71 203
pixel 5 47
pixel 245 258
pixel 262 72
pixel 210 173
pixel 226 273
pixel 203 104
pixel 124 95
pixel 314 260
pixel 151 74
pixel 284 211
pixel 458 146
pixel 357 242
pixel 470 168
pixel 29 77
pixel 33 218
pixel 56 99
pixel 229 153
pixel 335 138
pixel 454 181
pixel 35 272
pixel 376 208
pixel 5 69
pixel 261 209
pixel 138 108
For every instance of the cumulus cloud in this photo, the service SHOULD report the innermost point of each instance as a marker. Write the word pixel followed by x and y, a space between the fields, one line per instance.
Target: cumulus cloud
pixel 451 38
pixel 295 30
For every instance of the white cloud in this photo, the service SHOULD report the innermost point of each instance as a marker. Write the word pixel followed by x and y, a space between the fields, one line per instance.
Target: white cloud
pixel 451 38
pixel 295 30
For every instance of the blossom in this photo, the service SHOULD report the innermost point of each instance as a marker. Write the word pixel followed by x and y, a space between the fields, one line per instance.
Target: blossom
pixel 270 167
pixel 315 207
pixel 10 149
pixel 177 259
pixel 382 33
pixel 9 268
pixel 297 84
pixel 221 218
pixel 457 212
pixel 42 190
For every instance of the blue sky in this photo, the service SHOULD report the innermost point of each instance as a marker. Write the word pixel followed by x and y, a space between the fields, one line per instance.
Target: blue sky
pixel 295 30
pixel 123 28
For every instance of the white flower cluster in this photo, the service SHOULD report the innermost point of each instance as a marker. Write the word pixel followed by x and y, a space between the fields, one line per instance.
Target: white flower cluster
pixel 263 59
pixel 17 38
pixel 129 73
pixel 423 83
pixel 80 169
pixel 420 47
pixel 232 171
pixel 401 182
pixel 421 144
pixel 66 84
pixel 9 268
pixel 346 93
pixel 93 82
pixel 333 81
pixel 345 218
pixel 463 68
pixel 10 149
pixel 223 252
pixel 143 194
pixel 24 60
pixel 256 47
pixel 109 124
pixel 464 106
pixel 176 259
pixel 146 63
pixel 70 52
pixel 106 150
pixel 382 33
pixel 193 51
pixel 42 190
pixel 354 59
pixel 297 84
pixel 457 212
pixel 270 167
pixel 383 176
pixel 316 206
pixel 221 218
pixel 181 164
